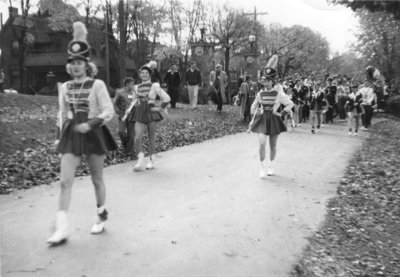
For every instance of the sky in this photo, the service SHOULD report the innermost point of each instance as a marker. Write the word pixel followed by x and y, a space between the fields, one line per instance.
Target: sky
pixel 336 23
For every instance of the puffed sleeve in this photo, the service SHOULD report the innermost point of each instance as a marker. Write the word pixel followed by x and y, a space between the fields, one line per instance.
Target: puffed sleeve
pixel 62 108
pixel 157 90
pixel 105 105
pixel 153 93
pixel 255 104
pixel 284 99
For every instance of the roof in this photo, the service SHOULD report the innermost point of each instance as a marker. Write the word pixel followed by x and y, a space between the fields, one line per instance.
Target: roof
pixel 54 59
pixel 40 29
pixel 50 59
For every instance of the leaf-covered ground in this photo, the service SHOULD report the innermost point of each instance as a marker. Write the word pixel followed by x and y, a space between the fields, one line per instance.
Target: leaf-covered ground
pixel 361 232
pixel 27 128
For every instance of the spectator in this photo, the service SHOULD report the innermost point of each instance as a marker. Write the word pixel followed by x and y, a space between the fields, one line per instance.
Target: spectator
pixel 330 94
pixel 219 80
pixel 316 106
pixel 155 75
pixel 368 98
pixel 247 97
pixel 173 81
pixel 298 103
pixel 122 101
pixel 193 82
pixel 341 96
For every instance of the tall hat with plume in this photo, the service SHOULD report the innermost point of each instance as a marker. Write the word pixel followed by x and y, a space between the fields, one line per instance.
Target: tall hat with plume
pixel 270 69
pixel 78 47
pixel 372 73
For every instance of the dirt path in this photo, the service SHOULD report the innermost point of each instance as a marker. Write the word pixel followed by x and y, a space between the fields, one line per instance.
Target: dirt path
pixel 202 212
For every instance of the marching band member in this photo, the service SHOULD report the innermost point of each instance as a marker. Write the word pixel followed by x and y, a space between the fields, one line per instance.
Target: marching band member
pixel 146 115
pixel 266 120
pixel 87 106
pixel 316 106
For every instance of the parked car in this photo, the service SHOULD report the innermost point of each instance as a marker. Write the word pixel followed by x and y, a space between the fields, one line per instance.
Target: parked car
pixel 10 90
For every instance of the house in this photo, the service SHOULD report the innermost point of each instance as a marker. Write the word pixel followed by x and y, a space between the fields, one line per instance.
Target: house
pixel 45 55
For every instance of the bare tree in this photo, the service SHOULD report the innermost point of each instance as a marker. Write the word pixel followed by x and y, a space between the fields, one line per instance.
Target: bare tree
pixel 229 30
pixel 299 48
pixel 122 39
pixel 194 13
pixel 175 9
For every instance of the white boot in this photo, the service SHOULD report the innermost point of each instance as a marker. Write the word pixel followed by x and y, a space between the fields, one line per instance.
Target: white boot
pixel 62 229
pixel 100 220
pixel 270 168
pixel 263 172
pixel 150 164
pixel 140 163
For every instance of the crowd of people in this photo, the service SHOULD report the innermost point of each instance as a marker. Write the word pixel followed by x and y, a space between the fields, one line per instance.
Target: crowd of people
pixel 321 101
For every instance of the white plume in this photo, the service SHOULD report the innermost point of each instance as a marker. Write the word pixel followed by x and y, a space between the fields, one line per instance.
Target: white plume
pixel 152 64
pixel 80 31
pixel 273 62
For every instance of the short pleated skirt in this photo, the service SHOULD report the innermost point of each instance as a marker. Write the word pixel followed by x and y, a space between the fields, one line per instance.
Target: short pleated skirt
pixel 97 141
pixel 269 124
pixel 141 113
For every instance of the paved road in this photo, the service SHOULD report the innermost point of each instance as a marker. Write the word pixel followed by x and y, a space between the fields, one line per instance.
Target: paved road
pixel 202 212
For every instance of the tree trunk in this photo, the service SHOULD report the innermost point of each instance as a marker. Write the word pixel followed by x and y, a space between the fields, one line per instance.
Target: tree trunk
pixel 228 89
pixel 21 63
pixel 122 40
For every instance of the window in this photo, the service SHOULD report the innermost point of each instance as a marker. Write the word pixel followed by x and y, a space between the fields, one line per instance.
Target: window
pixel 15 48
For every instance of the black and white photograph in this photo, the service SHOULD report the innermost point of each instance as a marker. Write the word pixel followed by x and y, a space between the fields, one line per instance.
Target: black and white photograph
pixel 199 138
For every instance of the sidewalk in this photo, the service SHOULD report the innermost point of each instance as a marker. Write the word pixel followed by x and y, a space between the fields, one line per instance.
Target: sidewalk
pixel 202 212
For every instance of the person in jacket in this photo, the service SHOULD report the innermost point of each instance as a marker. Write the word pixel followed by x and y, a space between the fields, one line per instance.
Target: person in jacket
pixel 173 81
pixel 247 95
pixel 219 81
pixel 193 82
pixel 122 101
pixel 155 74
pixel 331 100
pixel 85 107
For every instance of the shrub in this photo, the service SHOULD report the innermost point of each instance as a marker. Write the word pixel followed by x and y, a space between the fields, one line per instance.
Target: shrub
pixel 393 105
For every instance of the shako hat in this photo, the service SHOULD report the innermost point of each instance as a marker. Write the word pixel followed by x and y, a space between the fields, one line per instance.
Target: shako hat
pixel 146 67
pixel 372 73
pixel 78 47
pixel 270 69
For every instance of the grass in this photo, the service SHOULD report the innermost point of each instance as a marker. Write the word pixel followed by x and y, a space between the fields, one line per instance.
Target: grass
pixel 30 121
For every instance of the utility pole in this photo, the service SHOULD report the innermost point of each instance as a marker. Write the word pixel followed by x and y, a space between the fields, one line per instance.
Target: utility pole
pixel 107 58
pixel 122 41
pixel 255 22
pixel 251 65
